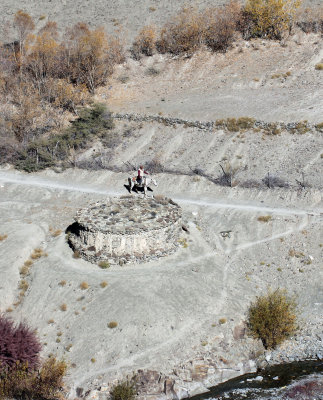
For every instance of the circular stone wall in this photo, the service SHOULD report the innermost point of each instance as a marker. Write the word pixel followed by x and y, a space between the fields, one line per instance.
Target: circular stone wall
pixel 127 229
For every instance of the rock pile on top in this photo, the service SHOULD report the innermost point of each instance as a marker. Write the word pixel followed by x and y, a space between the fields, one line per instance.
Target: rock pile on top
pixel 126 229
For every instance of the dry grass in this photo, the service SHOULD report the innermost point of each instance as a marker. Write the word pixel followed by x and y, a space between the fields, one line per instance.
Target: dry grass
pixel 112 324
pixel 264 218
pixel 76 254
pixel 24 270
pixel 57 233
pixel 84 285
pixel 23 285
pixel 37 253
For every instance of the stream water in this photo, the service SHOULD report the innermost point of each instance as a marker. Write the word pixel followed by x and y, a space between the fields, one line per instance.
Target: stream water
pixel 294 381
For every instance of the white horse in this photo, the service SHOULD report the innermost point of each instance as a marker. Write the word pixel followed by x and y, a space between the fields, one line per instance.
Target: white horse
pixel 146 181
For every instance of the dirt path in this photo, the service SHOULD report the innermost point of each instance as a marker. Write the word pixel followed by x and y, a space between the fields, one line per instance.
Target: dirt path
pixel 30 180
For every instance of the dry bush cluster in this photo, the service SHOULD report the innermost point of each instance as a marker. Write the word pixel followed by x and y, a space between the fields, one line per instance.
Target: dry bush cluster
pixel 186 31
pixel 46 73
pixel 217 27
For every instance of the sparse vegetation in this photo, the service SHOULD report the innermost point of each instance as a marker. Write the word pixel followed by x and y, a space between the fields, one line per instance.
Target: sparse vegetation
pixel 62 283
pixel 63 307
pixel 272 318
pixel 124 391
pixel 145 42
pixel 103 284
pixel 76 254
pixel 264 218
pixel 3 237
pixel 57 233
pixel 104 264
pixel 222 321
pixel 84 285
pixel 319 67
pixel 43 383
pixel 183 242
pixel 112 324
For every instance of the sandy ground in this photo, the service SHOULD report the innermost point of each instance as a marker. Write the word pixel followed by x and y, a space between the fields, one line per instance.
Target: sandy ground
pixel 247 81
pixel 167 310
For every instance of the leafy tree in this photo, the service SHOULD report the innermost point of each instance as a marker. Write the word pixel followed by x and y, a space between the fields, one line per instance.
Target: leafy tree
pixel 272 318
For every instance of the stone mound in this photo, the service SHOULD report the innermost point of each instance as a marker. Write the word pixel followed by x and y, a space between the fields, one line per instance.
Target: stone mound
pixel 126 229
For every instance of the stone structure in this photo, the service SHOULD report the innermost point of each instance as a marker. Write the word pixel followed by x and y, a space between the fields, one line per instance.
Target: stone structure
pixel 127 229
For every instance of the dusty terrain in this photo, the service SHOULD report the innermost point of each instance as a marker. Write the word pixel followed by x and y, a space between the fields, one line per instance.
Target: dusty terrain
pixel 180 315
pixel 113 15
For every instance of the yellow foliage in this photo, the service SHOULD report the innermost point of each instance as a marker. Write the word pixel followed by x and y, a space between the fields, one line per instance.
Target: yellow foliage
pixel 272 17
pixel 272 318
pixel 145 42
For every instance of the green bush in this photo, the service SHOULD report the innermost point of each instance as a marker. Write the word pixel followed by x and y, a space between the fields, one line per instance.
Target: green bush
pixel 94 122
pixel 272 318
pixel 124 391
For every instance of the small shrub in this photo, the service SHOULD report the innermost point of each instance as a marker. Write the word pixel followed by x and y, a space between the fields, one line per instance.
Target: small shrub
pixel 93 360
pixel 103 284
pixel 50 321
pixel 76 254
pixel 145 42
pixel 183 33
pixel 3 237
pixel 84 285
pixel 18 345
pixel 104 264
pixel 23 285
pixel 123 78
pixel 319 67
pixel 123 391
pixel 152 71
pixel 272 318
pixel 183 242
pixel 272 181
pixel 112 324
pixel 62 283
pixel 63 307
pixel 57 233
pixel 220 25
pixel 37 253
pixel 264 218
pixel 222 321
pixel 24 270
